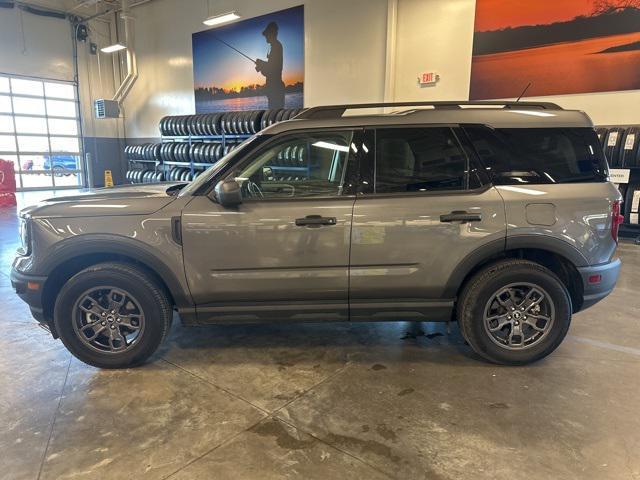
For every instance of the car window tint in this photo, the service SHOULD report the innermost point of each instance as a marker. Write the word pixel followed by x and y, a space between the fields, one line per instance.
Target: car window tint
pixel 420 160
pixel 539 155
pixel 299 165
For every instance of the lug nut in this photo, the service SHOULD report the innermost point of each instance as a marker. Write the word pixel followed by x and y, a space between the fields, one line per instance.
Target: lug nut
pixel 103 314
pixel 104 323
pixel 112 327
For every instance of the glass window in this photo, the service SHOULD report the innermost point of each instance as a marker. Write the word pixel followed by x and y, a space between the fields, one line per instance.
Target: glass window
pixel 20 86
pixel 6 124
pixel 59 90
pixel 33 144
pixel 31 125
pixel 300 165
pixel 7 143
pixel 65 144
pixel 27 131
pixel 421 160
pixel 28 106
pixel 61 108
pixel 37 180
pixel 58 126
pixel 5 104
pixel 540 155
pixel 32 162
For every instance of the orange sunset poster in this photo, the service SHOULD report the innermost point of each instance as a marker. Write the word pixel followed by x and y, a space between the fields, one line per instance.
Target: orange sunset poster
pixel 557 46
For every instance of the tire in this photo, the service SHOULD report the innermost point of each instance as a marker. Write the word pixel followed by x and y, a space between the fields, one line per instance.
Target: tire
pixel 479 297
pixel 143 293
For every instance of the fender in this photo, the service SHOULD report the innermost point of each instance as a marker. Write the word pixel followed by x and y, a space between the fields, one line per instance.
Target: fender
pixel 497 247
pixel 88 244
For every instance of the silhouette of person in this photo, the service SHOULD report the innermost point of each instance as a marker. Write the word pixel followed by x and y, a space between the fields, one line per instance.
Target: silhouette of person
pixel 271 68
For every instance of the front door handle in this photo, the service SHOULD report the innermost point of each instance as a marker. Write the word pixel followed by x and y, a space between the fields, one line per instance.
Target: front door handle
pixel 315 221
pixel 460 216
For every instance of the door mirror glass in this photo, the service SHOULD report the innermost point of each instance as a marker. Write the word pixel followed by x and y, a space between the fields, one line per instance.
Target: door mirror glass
pixel 228 193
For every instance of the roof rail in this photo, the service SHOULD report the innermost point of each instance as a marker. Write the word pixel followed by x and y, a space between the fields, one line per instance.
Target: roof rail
pixel 336 111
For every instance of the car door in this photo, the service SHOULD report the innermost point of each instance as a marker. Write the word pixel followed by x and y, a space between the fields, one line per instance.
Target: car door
pixel 283 253
pixel 427 211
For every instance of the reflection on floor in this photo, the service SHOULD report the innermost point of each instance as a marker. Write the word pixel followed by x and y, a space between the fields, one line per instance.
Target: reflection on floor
pixel 323 401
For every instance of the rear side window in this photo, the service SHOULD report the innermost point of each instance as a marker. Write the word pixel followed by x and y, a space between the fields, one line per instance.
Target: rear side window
pixel 421 160
pixel 539 155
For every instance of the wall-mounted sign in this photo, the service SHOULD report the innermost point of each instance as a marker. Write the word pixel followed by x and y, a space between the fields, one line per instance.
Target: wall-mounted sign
pixel 619 175
pixel 252 64
pixel 428 78
pixel 568 46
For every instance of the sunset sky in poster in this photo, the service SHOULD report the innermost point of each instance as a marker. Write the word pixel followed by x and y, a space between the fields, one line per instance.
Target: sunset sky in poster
pixel 499 14
pixel 215 64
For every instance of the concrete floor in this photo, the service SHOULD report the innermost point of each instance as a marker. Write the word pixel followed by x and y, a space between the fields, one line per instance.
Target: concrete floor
pixel 323 401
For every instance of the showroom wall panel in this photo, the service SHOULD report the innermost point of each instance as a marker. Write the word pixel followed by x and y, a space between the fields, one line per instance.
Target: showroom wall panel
pixel 344 54
pixel 437 35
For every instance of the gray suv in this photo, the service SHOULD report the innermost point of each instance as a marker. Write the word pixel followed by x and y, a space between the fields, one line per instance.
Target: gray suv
pixel 500 216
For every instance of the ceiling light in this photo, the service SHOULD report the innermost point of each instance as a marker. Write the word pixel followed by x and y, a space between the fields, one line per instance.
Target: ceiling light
pixel 223 18
pixel 113 48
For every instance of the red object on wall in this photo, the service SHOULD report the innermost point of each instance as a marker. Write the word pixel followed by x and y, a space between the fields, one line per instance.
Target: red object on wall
pixel 7 184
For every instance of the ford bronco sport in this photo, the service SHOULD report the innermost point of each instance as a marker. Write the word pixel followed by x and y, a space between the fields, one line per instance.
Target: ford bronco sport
pixel 497 215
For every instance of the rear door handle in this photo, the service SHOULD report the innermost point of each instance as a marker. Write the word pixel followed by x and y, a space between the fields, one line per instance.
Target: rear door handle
pixel 460 216
pixel 315 221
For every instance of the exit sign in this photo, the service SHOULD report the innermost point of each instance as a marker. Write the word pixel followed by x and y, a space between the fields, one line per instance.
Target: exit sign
pixel 428 78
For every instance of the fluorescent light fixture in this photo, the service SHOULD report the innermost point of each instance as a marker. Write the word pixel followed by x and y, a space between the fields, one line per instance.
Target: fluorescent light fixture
pixel 223 18
pixel 116 47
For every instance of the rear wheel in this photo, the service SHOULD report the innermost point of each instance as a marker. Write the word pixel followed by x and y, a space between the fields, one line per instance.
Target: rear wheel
pixel 112 315
pixel 514 312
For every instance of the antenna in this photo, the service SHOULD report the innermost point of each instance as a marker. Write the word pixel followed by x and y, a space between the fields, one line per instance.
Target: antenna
pixel 524 91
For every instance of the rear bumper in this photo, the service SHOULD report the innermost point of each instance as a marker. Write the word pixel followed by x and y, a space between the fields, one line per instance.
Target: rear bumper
pixel 594 292
pixel 21 283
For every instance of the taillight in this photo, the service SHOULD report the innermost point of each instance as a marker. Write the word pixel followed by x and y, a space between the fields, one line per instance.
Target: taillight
pixel 616 219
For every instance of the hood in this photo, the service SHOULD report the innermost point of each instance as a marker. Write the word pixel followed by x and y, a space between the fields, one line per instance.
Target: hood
pixel 121 200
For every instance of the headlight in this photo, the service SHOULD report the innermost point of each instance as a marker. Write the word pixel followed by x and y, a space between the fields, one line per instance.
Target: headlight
pixel 25 236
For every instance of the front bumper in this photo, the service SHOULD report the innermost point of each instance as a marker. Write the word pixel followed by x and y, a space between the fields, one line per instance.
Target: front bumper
pixel 594 292
pixel 25 287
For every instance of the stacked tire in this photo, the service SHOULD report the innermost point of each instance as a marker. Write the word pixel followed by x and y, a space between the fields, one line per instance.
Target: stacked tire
pixel 245 122
pixel 146 151
pixel 622 148
pixel 144 176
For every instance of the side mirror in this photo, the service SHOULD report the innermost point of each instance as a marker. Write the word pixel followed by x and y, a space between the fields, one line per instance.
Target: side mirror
pixel 228 193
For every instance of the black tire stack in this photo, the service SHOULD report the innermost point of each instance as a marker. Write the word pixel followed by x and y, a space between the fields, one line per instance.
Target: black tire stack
pixel 622 148
pixel 201 140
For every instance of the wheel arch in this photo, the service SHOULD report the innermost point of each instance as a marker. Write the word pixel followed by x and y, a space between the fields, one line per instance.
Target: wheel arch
pixel 78 253
pixel 558 256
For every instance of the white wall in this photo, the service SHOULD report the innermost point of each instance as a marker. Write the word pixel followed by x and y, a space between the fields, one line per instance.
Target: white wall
pixel 35 46
pixel 345 43
pixel 344 53
pixel 437 35
pixel 38 46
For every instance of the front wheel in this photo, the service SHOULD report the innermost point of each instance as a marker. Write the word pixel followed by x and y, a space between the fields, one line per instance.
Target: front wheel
pixel 514 312
pixel 112 315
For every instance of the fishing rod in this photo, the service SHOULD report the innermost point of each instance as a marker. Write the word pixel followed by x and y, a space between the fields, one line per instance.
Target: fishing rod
pixel 234 48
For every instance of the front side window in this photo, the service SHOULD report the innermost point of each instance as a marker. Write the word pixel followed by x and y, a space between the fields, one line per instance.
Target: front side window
pixel 421 160
pixel 539 155
pixel 297 166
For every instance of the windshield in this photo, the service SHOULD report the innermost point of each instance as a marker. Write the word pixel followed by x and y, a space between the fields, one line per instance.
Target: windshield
pixel 214 169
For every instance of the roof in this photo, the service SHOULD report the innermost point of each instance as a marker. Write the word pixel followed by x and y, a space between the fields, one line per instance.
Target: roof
pixel 494 114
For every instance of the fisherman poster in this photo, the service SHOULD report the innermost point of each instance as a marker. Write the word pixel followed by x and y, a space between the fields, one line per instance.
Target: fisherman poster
pixel 559 46
pixel 252 64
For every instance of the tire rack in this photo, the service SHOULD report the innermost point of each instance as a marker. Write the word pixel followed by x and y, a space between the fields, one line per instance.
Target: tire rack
pixel 219 128
pixel 631 162
pixel 223 139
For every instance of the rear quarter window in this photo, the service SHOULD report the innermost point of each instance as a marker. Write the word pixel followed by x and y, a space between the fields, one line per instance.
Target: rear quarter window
pixel 539 155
